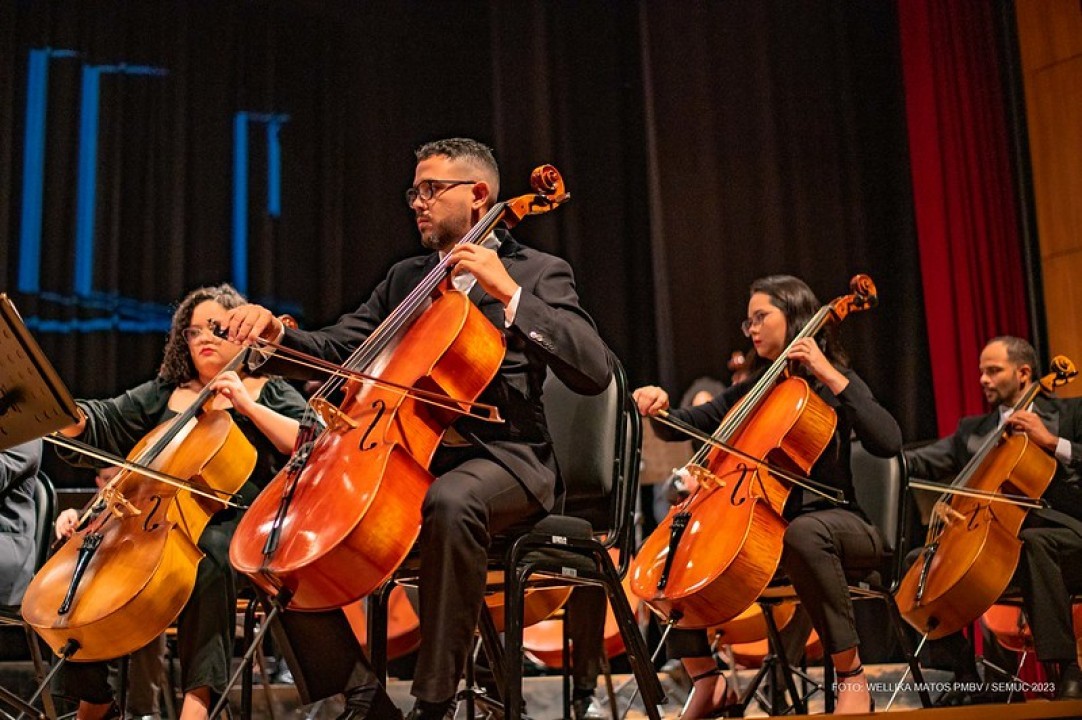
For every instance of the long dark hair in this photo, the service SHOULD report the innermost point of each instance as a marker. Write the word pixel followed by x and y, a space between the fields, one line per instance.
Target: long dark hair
pixel 798 303
pixel 177 366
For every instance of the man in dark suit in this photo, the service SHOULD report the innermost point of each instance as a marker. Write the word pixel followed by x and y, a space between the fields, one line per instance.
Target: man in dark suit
pixel 1050 568
pixel 18 519
pixel 490 476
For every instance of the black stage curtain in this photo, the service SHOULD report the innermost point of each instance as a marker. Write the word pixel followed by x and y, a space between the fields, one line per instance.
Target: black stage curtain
pixel 704 144
pixel 780 147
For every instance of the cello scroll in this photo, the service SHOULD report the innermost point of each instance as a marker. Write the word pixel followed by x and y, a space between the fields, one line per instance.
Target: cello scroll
pixel 549 193
pixel 863 296
pixel 1062 372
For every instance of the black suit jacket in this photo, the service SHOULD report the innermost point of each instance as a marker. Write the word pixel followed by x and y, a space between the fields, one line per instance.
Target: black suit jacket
pixel 18 523
pixel 944 458
pixel 551 330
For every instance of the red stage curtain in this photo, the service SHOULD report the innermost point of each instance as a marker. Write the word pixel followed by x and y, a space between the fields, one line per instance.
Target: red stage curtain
pixel 966 211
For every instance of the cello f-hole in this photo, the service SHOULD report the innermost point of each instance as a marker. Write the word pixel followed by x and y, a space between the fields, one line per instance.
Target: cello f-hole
pixel 150 515
pixel 738 501
pixel 380 407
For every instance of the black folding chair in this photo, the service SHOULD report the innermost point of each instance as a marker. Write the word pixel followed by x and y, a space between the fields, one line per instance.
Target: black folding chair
pixel 596 441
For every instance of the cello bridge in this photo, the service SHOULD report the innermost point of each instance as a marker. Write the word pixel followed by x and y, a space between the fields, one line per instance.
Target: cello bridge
pixel 119 505
pixel 332 417
pixel 706 479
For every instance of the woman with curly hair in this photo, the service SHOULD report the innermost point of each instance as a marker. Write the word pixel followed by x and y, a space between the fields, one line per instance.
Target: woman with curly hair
pixel 266 410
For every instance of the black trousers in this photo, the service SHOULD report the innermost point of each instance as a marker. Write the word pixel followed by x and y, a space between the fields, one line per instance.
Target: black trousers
pixel 821 551
pixel 322 652
pixel 585 618
pixel 205 627
pixel 1049 572
pixel 462 509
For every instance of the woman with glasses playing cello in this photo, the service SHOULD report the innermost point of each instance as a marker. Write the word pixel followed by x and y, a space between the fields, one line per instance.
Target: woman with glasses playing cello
pixel 822 540
pixel 266 412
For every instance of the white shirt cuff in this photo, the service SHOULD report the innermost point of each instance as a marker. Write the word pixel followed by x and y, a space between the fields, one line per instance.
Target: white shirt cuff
pixel 1063 450
pixel 511 309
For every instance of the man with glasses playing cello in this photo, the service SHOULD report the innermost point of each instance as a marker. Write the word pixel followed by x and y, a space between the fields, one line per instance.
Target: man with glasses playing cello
pixel 496 475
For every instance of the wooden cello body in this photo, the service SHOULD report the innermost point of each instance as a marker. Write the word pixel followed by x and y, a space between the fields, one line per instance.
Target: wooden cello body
pixel 355 509
pixel 732 546
pixel 336 523
pixel 716 551
pixel 142 568
pixel 967 564
pixel 975 560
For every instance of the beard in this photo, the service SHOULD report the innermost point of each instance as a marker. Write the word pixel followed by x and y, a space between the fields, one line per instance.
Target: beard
pixel 432 240
pixel 443 237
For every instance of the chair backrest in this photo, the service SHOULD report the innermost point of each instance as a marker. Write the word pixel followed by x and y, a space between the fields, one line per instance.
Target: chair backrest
pixel 880 486
pixel 45 512
pixel 597 442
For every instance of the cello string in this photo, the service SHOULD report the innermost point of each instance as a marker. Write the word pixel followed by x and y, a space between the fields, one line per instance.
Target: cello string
pixel 1062 373
pixel 766 383
pixel 182 418
pixel 141 463
pixel 368 351
pixel 399 317
pixel 377 341
pixel 730 425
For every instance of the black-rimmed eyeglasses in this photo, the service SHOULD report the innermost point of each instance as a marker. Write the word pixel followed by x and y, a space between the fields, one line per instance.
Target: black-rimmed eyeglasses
pixel 429 190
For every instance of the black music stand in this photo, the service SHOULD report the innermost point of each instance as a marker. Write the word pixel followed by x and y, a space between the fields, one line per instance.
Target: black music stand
pixel 33 400
pixel 33 403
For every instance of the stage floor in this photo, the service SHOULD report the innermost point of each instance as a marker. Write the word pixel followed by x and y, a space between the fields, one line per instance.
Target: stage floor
pixel 544 699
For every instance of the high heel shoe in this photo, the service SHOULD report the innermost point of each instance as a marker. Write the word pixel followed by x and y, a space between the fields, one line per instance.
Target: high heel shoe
pixel 858 670
pixel 730 705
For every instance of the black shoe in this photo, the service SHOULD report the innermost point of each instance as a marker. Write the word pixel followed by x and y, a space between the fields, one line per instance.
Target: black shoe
pixel 369 702
pixel 1069 686
pixel 433 711
pixel 586 709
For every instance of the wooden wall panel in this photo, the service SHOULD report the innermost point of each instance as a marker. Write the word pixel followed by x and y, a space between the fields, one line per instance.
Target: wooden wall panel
pixel 1055 144
pixel 1063 305
pixel 1049 31
pixel 1050 38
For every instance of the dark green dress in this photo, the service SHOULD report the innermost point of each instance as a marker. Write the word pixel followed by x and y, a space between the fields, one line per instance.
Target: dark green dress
pixel 205 627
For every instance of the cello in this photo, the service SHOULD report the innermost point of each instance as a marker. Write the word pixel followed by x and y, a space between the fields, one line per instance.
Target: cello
pixel 340 518
pixel 124 576
pixel 972 546
pixel 715 552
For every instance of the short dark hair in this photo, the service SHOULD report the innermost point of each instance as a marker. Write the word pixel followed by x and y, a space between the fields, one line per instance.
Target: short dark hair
pixel 798 303
pixel 1019 352
pixel 461 149
pixel 471 151
pixel 177 366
